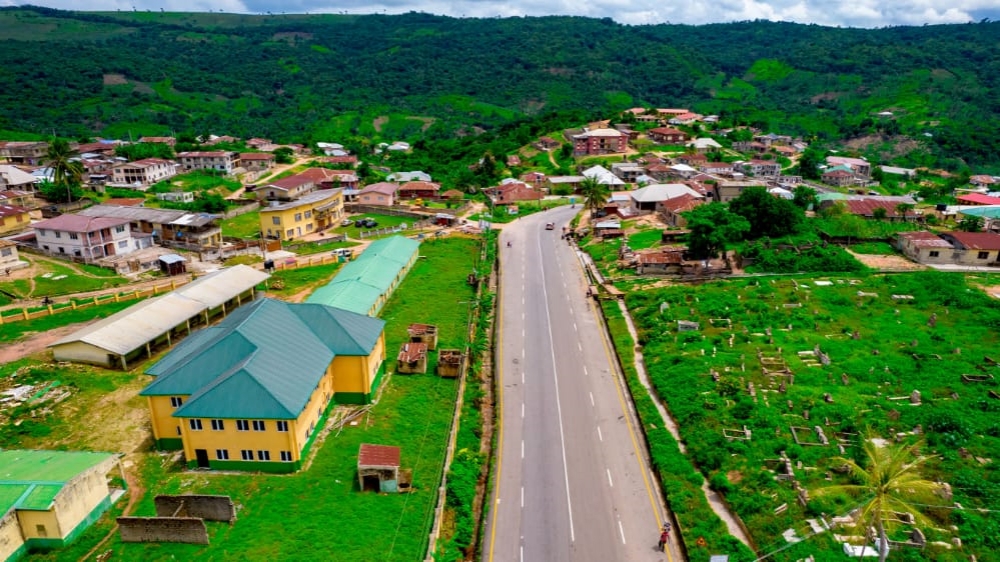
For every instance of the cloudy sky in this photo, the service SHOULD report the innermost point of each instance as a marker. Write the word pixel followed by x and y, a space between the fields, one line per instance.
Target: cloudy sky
pixel 852 13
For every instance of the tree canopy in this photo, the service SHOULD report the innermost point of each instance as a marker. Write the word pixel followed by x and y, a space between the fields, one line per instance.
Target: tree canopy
pixel 712 227
pixel 768 215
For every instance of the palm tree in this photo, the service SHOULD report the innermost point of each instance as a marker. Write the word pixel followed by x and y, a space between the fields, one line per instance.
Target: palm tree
pixel 891 483
pixel 595 194
pixel 65 172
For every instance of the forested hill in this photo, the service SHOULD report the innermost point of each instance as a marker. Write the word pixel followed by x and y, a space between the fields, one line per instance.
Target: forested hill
pixel 322 77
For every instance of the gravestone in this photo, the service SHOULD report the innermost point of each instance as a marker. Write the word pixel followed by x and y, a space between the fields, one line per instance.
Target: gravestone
pixel 915 398
pixel 932 321
pixel 827 398
pixel 844 379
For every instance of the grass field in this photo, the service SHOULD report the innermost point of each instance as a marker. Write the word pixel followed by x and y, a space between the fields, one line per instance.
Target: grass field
pixel 54 279
pixel 881 349
pixel 11 331
pixel 246 225
pixel 198 180
pixel 384 221
pixel 318 513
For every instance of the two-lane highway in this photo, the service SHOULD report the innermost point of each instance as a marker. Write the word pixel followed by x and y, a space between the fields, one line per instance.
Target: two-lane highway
pixel 572 479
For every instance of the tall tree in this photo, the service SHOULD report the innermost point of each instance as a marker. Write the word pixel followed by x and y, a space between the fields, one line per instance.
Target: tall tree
pixel 65 172
pixel 809 163
pixel 971 223
pixel 889 483
pixel 768 215
pixel 805 197
pixel 712 227
pixel 595 194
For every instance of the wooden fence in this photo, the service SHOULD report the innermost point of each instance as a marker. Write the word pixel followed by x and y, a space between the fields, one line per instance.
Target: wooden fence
pixel 23 314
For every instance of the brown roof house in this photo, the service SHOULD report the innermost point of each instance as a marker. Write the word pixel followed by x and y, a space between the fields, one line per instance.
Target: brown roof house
pixel 666 135
pixel 925 247
pixel 256 161
pixel 419 190
pixel 89 238
pixel 974 248
pixel 515 191
pixel 382 193
pixel 599 141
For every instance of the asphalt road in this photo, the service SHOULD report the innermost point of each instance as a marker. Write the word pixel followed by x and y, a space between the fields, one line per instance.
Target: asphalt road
pixel 572 479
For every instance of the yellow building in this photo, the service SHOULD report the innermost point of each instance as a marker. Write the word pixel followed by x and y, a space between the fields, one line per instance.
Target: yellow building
pixel 310 213
pixel 250 392
pixel 13 218
pixel 48 498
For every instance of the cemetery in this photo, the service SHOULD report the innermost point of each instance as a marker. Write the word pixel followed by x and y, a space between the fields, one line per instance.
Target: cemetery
pixel 774 381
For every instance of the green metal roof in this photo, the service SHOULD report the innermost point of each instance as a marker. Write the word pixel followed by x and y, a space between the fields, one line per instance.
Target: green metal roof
pixel 262 361
pixel 359 284
pixel 985 211
pixel 32 479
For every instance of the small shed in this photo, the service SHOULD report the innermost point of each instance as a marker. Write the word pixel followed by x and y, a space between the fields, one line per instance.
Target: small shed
pixel 378 468
pixel 451 362
pixel 444 219
pixel 424 333
pixel 412 358
pixel 172 264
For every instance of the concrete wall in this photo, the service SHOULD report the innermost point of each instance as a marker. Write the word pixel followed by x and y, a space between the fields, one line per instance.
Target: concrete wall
pixel 165 426
pixel 970 257
pixel 39 524
pixel 11 542
pixel 82 352
pixel 80 496
pixel 163 529
pixel 211 508
pixel 234 441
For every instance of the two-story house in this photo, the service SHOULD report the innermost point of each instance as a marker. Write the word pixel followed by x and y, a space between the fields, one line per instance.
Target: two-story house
pixel 382 193
pixel 90 238
pixel 666 135
pixel 13 218
pixel 143 172
pixel 232 397
pixel 762 168
pixel 219 160
pixel 164 226
pixel 310 213
pixel 599 141
pixel 256 161
pixel 859 166
pixel 29 153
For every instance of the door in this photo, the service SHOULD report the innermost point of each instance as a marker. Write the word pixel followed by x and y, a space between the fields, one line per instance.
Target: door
pixel 202 457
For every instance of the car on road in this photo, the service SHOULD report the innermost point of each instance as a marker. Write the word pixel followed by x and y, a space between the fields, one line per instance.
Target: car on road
pixel 550 226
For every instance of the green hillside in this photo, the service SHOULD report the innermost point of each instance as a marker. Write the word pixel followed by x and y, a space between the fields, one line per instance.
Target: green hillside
pixel 319 77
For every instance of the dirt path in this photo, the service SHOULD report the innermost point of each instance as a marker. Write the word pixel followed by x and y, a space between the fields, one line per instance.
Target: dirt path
pixel 135 493
pixel 37 343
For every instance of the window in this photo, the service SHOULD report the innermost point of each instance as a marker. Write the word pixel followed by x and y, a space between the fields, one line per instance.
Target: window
pixel 176 401
pixel 286 456
pixel 263 455
pixel 123 244
pixel 74 236
pixel 282 425
pixel 290 233
pixel 982 255
pixel 309 227
pixel 275 220
pixel 298 217
pixel 40 529
pixel 934 253
pixel 178 430
pixel 242 425
pixel 58 234
pixel 120 228
pixel 309 214
pixel 41 232
pixel 258 425
pixel 195 424
pixel 218 425
pixel 222 454
pixel 246 454
pixel 46 247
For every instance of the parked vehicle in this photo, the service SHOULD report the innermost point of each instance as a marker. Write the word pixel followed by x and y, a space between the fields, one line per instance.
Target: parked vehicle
pixel 370 223
pixel 550 226
pixel 346 222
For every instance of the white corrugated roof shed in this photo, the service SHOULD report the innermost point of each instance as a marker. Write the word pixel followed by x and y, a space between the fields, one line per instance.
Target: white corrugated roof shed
pixel 130 329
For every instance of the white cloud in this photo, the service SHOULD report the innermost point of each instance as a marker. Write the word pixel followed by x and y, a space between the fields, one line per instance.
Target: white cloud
pixel 848 13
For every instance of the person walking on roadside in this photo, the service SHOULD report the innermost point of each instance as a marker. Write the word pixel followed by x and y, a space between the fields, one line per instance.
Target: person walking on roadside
pixel 664 536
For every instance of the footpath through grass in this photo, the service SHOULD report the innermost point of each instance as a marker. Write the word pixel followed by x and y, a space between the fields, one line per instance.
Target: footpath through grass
pixel 319 514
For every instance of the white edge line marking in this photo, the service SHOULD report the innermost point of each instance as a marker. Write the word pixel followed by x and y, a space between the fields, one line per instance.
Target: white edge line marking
pixel 610 483
pixel 591 398
pixel 621 531
pixel 599 434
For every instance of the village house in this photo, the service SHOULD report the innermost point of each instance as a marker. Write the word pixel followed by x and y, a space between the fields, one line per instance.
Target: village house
pixel 547 143
pixel 18 198
pixel 772 139
pixel 90 238
pixel 219 160
pixel 143 172
pixel 169 227
pixel 908 173
pixel 514 192
pixel 12 177
pixel 257 143
pixel 169 141
pixel 704 145
pixel 382 194
pixel 603 176
pixel 13 218
pixel 982 182
pixel 761 168
pixel 513 160
pixel 418 190
pixel 666 135
pixel 974 248
pixel 367 282
pixel 350 161
pixel 568 184
pixel 346 179
pixel 727 190
pixel 977 199
pixel 49 498
pixel 310 213
pixel 599 141
pixel 671 210
pixel 839 177
pixel 866 207
pixel 104 149
pixel 233 398
pixel 286 189
pixel 535 179
pixel 415 175
pixel 627 171
pixel 256 161
pixel 652 198
pixel 684 119
pixel 925 247
pixel 859 166
pixel 665 261
pixel 671 112
pixel 30 153
pixel 716 168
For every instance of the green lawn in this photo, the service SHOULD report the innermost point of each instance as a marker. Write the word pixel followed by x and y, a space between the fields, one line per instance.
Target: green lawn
pixel 50 280
pixel 14 330
pixel 300 278
pixel 321 247
pixel 384 221
pixel 645 239
pixel 524 208
pixel 198 180
pixel 246 225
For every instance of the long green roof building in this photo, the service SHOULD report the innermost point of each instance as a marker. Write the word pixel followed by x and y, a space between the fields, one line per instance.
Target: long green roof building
pixel 365 284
